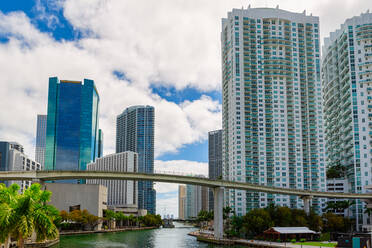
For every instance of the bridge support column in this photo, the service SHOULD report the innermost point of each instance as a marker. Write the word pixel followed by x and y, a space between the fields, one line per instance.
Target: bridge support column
pixel 218 215
pixel 306 199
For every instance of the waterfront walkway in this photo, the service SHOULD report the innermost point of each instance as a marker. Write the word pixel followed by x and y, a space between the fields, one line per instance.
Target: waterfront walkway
pixel 207 236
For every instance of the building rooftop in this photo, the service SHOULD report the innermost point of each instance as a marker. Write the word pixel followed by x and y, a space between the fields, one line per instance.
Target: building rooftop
pixel 290 230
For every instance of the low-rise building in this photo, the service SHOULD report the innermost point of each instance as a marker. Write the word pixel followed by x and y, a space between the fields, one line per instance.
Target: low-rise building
pixel 70 196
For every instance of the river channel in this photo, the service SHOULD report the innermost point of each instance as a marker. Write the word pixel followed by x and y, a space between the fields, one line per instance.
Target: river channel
pixel 156 238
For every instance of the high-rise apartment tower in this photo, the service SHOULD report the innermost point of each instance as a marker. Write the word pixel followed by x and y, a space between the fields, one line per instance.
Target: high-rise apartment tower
pixel 214 160
pixel 135 132
pixel 40 138
pixel 272 105
pixel 347 91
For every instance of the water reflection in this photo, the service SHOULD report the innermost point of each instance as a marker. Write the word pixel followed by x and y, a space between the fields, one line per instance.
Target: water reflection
pixel 157 238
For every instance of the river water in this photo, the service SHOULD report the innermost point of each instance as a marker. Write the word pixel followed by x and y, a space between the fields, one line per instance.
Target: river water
pixel 155 238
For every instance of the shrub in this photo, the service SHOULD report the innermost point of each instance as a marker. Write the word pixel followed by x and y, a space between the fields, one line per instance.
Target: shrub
pixel 278 240
pixel 293 240
pixel 325 236
pixel 302 240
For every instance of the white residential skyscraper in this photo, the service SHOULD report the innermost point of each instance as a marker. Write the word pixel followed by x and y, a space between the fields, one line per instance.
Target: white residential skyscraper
pixel 40 138
pixel 272 105
pixel 120 193
pixel 347 90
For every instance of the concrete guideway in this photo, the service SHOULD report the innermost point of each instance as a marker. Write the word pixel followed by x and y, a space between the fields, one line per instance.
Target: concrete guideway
pixel 217 186
pixel 63 175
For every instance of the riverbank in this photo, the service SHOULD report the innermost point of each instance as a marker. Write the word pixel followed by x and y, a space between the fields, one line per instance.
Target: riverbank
pixel 107 231
pixel 209 238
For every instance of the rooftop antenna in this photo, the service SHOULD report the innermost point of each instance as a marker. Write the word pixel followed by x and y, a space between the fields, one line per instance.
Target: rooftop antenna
pixel 311 14
pixel 242 7
pixel 304 12
pixel 367 11
pixel 277 6
pixel 249 6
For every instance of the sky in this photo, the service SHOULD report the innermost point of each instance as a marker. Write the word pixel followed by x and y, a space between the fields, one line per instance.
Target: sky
pixel 164 53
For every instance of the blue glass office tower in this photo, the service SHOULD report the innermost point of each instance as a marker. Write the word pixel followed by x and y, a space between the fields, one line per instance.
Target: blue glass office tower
pixel 135 132
pixel 72 124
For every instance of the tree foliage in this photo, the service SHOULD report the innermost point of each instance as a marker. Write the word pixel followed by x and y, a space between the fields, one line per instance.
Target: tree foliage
pixel 23 214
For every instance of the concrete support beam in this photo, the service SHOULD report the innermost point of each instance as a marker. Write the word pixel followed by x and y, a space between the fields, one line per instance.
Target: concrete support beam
pixel 218 212
pixel 306 200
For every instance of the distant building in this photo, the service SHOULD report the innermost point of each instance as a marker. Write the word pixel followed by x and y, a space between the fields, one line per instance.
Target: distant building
pixel 72 136
pixel 196 200
pixel 181 201
pixel 214 159
pixel 12 158
pixel 71 196
pixel 100 143
pixel 135 132
pixel 41 128
pixel 338 186
pixel 120 193
pixel 347 94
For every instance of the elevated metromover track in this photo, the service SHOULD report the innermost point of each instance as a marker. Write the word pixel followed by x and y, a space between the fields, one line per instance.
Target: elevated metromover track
pixel 167 178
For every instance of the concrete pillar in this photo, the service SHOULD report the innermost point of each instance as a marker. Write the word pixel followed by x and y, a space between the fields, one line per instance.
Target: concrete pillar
pixel 306 199
pixel 218 212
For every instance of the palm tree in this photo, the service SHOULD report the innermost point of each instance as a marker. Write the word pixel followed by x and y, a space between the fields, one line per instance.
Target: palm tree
pixel 110 217
pixel 21 215
pixel 8 200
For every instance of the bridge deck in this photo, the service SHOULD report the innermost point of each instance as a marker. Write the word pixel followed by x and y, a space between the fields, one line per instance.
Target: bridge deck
pixel 63 175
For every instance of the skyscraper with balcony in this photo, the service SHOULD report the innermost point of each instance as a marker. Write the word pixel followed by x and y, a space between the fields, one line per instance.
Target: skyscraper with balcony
pixel 347 91
pixel 214 160
pixel 272 105
pixel 40 138
pixel 72 124
pixel 135 132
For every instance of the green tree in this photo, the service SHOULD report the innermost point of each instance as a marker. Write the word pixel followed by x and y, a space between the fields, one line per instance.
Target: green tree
pixel 256 221
pixel 314 221
pixel 110 217
pixel 333 222
pixel 21 215
pixel 227 211
pixel 284 217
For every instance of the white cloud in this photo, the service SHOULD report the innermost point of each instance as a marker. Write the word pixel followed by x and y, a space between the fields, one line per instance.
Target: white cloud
pixel 30 57
pixel 169 205
pixel 181 167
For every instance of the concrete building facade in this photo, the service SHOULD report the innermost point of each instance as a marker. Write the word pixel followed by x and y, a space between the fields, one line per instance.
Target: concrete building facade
pixel 196 200
pixel 69 196
pixel 120 193
pixel 41 127
pixel 338 186
pixel 214 159
pixel 181 201
pixel 135 132
pixel 12 158
pixel 271 106
pixel 347 90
